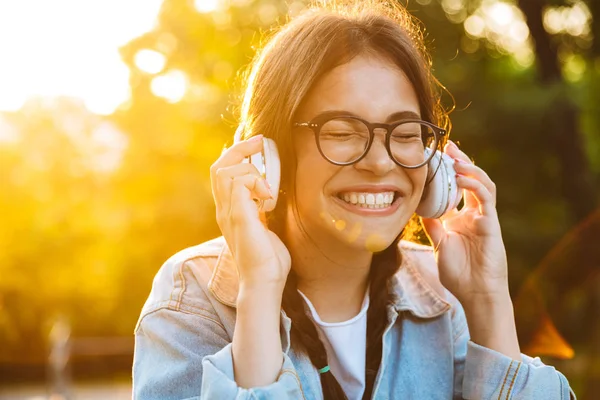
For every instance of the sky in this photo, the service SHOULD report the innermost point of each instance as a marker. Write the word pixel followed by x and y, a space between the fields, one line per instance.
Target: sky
pixel 69 48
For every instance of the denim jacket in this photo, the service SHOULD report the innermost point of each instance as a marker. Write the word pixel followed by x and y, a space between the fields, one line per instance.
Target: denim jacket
pixel 184 334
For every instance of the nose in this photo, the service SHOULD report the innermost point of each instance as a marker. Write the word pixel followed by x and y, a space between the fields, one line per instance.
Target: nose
pixel 377 160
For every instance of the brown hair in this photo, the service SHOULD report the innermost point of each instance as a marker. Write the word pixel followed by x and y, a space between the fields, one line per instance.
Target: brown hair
pixel 283 71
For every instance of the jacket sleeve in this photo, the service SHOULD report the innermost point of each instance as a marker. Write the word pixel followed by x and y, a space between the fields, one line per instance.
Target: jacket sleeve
pixel 185 355
pixel 482 373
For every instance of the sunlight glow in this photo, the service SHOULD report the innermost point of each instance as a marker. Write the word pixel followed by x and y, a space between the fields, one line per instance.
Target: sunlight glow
pixel 573 20
pixel 69 48
pixel 150 61
pixel 109 145
pixel 171 86
pixel 206 6
pixel 8 133
pixel 455 10
pixel 500 14
pixel 296 8
pixel 574 67
pixel 503 25
pixel 475 26
pixel 453 6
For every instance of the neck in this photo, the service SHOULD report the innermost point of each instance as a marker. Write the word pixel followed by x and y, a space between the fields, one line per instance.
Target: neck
pixel 336 286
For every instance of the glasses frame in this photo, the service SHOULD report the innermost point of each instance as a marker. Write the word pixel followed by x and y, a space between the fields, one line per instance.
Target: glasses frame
pixel 317 123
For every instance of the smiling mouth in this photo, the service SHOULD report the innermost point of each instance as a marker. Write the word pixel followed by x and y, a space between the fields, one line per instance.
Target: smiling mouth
pixel 369 199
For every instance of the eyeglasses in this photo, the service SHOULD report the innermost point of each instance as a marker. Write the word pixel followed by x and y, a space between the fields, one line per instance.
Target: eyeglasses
pixel 345 140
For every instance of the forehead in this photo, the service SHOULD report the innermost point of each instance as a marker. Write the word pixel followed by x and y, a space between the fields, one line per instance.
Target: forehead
pixel 368 86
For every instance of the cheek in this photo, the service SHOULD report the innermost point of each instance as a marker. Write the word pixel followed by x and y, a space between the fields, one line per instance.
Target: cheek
pixel 418 178
pixel 312 174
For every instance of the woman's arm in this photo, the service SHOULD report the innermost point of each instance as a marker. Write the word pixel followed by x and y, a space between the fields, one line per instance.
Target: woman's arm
pixel 492 324
pixel 263 263
pixel 257 353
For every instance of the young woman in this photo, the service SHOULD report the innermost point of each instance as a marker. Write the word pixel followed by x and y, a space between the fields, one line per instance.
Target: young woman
pixel 321 298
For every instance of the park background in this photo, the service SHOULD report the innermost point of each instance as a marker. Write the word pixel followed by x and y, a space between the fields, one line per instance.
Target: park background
pixel 111 112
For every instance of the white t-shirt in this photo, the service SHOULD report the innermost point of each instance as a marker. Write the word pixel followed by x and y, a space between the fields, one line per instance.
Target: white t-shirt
pixel 346 345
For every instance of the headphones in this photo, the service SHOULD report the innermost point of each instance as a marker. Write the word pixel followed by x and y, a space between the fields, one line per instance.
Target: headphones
pixel 440 195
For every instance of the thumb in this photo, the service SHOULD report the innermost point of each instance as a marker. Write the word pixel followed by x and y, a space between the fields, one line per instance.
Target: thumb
pixel 434 229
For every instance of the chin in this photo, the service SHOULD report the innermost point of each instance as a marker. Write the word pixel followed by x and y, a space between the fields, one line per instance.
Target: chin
pixel 359 236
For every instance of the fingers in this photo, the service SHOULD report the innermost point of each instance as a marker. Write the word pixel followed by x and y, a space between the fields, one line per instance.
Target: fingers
pixel 465 167
pixel 480 193
pixel 235 155
pixel 240 150
pixel 224 176
pixel 240 183
pixel 246 187
pixel 473 171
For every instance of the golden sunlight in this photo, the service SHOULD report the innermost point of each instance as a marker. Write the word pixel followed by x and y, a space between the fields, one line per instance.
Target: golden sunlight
pixel 573 20
pixel 171 86
pixel 504 25
pixel 499 14
pixel 69 48
pixel 205 6
pixel 150 61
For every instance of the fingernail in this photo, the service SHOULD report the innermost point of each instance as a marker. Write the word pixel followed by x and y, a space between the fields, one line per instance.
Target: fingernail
pixel 459 161
pixel 255 138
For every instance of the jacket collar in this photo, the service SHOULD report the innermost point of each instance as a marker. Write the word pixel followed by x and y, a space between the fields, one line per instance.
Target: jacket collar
pixel 416 284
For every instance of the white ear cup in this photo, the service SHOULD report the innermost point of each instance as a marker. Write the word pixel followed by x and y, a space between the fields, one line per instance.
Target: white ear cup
pixel 442 193
pixel 268 165
pixel 272 172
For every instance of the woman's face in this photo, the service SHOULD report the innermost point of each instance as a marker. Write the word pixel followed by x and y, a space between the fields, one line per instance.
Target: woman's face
pixel 375 90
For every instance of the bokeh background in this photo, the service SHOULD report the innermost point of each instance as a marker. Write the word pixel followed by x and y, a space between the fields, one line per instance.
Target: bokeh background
pixel 111 112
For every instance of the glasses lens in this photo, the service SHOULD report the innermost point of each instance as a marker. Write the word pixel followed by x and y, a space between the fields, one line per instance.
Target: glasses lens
pixel 409 141
pixel 343 140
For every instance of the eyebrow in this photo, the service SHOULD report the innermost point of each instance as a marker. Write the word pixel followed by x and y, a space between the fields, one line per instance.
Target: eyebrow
pixel 397 116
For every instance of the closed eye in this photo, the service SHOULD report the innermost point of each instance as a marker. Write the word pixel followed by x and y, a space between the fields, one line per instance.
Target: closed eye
pixel 344 135
pixel 406 136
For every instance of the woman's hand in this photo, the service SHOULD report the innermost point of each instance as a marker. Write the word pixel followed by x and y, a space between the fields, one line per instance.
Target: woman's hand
pixel 260 255
pixel 263 264
pixel 468 243
pixel 472 260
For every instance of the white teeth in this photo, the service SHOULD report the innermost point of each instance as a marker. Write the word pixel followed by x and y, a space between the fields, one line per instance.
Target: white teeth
pixel 368 200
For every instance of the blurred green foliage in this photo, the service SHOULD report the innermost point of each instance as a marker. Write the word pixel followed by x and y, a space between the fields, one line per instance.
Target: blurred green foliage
pixel 82 235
